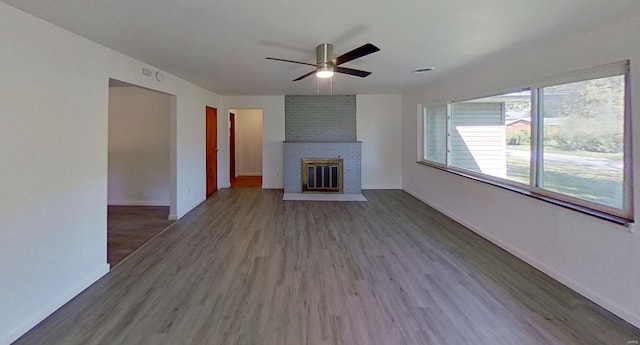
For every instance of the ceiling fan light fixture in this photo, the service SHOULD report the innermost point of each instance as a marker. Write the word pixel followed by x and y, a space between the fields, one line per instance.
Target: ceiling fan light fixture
pixel 324 72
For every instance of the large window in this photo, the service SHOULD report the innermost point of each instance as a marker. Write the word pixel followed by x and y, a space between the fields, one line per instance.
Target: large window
pixel 565 140
pixel 435 128
pixel 583 140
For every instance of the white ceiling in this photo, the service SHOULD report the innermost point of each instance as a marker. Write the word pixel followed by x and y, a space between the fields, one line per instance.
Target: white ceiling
pixel 221 44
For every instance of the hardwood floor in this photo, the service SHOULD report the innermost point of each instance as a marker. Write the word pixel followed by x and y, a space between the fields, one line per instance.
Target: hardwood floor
pixel 248 268
pixel 129 227
pixel 247 182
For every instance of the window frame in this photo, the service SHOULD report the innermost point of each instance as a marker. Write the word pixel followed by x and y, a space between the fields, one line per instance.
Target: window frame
pixel 447 135
pixel 624 215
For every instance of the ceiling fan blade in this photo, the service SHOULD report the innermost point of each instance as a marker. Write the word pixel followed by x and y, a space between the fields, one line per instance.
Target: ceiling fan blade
pixel 351 71
pixel 298 62
pixel 304 76
pixel 356 53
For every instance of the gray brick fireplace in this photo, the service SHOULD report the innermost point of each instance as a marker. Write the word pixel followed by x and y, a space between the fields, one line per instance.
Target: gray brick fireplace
pixel 321 127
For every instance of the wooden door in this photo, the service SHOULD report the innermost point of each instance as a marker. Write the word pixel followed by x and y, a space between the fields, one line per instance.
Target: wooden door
pixel 212 150
pixel 232 146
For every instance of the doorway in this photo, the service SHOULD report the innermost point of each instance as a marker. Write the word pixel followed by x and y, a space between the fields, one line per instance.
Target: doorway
pixel 245 147
pixel 139 167
pixel 212 150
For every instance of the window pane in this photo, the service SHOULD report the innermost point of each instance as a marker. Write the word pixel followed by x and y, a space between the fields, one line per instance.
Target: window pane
pixel 583 140
pixel 492 135
pixel 435 134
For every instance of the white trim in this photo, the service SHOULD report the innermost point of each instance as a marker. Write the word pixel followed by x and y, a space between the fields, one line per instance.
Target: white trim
pixel 428 112
pixel 137 203
pixel 623 313
pixel 602 71
pixel 54 305
pixel 421 114
pixel 378 186
pixel 627 174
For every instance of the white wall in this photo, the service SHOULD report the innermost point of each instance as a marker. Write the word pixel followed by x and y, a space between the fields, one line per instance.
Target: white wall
pixel 248 123
pixel 139 147
pixel 272 136
pixel 596 258
pixel 379 127
pixel 53 170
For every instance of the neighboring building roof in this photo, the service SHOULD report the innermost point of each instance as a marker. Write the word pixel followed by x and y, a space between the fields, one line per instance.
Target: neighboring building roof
pixel 548 121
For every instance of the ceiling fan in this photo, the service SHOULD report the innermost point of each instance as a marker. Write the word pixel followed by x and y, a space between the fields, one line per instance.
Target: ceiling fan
pixel 326 64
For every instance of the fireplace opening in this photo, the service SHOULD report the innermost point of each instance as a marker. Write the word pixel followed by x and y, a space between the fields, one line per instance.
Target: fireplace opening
pixel 322 175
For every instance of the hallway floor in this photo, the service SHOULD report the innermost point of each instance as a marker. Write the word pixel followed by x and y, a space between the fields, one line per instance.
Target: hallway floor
pixel 247 182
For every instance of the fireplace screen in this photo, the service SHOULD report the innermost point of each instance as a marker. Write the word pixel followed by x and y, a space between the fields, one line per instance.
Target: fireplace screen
pixel 322 175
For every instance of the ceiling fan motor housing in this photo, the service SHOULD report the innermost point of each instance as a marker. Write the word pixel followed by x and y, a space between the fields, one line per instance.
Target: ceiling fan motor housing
pixel 324 55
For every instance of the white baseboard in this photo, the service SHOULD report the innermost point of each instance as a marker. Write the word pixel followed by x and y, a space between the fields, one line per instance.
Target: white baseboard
pixel 173 217
pixel 137 203
pixel 553 273
pixel 54 305
pixel 373 187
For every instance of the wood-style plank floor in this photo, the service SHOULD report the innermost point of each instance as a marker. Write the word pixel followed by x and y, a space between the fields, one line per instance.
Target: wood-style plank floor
pixel 247 182
pixel 129 227
pixel 248 268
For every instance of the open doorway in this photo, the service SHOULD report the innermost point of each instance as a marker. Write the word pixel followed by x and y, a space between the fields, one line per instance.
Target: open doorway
pixel 139 167
pixel 245 148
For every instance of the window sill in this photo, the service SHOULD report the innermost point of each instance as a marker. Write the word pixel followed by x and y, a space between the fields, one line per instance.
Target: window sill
pixel 568 205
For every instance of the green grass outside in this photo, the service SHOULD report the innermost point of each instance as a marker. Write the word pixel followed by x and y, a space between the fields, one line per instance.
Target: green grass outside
pixel 600 186
pixel 552 149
